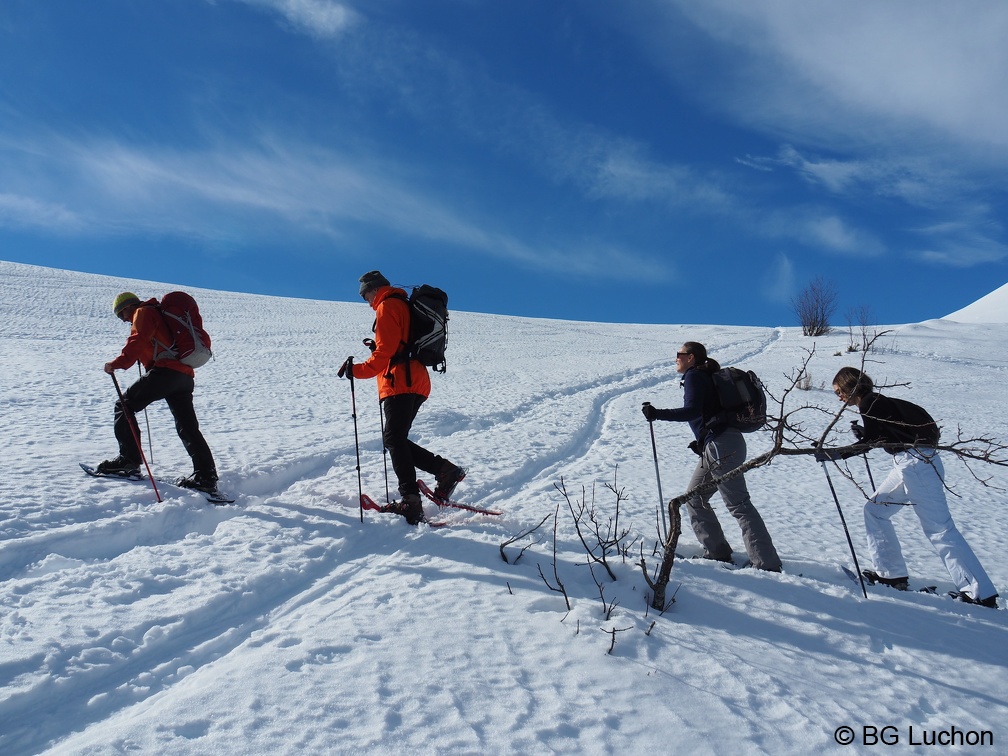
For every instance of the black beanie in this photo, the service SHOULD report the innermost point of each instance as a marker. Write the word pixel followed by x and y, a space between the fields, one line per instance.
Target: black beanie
pixel 372 280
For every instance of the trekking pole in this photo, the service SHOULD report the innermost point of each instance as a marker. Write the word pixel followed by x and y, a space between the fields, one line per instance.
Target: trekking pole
pixel 150 443
pixel 370 344
pixel 867 466
pixel 384 451
pixel 131 421
pixel 843 521
pixel 347 369
pixel 661 499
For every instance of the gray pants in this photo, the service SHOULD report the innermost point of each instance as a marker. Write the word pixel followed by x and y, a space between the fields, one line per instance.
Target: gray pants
pixel 722 454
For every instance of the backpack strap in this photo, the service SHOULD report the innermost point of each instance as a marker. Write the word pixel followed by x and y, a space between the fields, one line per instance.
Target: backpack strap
pixel 161 351
pixel 403 355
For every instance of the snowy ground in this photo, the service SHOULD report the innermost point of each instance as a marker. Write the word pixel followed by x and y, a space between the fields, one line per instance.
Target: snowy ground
pixel 283 625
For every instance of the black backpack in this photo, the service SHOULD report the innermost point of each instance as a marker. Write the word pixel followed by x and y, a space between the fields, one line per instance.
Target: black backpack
pixel 428 337
pixel 743 401
pixel 917 427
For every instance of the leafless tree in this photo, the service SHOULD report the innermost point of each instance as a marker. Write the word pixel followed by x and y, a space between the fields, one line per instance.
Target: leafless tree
pixel 814 306
pixel 791 437
pixel 859 328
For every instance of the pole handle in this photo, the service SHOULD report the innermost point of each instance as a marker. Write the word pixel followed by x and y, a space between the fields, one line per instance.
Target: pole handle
pixel 346 367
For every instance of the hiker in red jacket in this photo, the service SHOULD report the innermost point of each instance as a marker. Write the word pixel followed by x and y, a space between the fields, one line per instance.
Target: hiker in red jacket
pixel 403 386
pixel 166 378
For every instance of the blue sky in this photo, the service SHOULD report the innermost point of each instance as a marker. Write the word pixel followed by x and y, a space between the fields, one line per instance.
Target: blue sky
pixel 634 161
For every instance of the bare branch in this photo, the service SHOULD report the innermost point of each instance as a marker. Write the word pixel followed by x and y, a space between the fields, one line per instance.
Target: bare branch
pixel 518 537
pixel 612 632
pixel 598 539
pixel 559 588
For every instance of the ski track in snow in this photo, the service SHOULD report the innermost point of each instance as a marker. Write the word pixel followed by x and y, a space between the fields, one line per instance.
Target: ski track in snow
pixel 535 412
pixel 182 627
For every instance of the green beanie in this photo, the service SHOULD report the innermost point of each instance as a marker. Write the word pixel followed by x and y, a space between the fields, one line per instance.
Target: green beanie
pixel 124 300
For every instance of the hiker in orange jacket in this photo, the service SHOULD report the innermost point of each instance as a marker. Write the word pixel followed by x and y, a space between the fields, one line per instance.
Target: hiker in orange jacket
pixel 166 378
pixel 403 386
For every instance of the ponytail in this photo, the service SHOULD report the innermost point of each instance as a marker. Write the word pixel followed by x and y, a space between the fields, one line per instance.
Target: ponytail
pixel 702 361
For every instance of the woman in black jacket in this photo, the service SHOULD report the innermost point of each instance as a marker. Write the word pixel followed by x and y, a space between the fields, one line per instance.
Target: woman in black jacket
pixel 918 480
pixel 721 449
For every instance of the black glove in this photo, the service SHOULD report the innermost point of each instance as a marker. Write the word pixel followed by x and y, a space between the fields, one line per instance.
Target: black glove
pixel 649 412
pixel 370 344
pixel 346 369
pixel 857 430
pixel 695 448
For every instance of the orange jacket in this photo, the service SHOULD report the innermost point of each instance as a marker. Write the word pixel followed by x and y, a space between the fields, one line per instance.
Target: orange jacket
pixel 149 337
pixel 392 325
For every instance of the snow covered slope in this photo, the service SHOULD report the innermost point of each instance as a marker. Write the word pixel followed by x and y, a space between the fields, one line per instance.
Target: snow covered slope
pixel 992 308
pixel 284 625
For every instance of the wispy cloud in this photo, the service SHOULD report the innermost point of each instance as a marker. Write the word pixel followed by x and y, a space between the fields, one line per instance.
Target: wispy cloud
pixel 958 244
pixel 779 282
pixel 441 91
pixel 852 74
pixel 276 189
pixel 835 234
pixel 822 229
pixel 916 181
pixel 318 18
pixel 17 211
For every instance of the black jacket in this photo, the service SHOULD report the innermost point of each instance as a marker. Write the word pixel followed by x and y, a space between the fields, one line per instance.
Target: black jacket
pixel 896 421
pixel 700 406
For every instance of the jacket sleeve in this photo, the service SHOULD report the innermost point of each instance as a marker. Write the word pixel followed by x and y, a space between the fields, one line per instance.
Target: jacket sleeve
pixel 139 345
pixel 693 400
pixel 878 416
pixel 390 327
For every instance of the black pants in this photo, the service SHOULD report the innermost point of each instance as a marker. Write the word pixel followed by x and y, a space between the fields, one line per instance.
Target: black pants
pixel 177 390
pixel 400 411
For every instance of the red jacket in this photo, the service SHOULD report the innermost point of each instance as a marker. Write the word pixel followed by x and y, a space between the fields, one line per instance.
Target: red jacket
pixel 149 337
pixel 392 325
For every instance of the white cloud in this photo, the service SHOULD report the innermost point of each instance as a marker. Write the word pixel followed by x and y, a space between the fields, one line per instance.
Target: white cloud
pixel 319 18
pixel 274 189
pixel 27 212
pixel 858 73
pixel 822 230
pixel 835 234
pixel 958 244
pixel 779 282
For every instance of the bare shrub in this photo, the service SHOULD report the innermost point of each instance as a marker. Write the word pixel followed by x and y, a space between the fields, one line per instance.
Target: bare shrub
pixel 814 306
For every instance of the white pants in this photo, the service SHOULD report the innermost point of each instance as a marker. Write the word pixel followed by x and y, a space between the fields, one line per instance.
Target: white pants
pixel 917 479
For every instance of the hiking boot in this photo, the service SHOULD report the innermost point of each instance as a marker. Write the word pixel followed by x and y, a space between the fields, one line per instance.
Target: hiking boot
pixel 410 508
pixel 447 479
pixel 118 466
pixel 990 602
pixel 199 481
pixel 898 583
